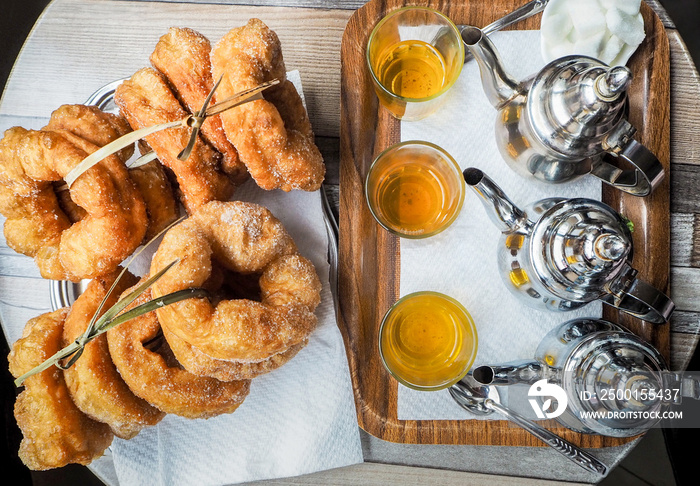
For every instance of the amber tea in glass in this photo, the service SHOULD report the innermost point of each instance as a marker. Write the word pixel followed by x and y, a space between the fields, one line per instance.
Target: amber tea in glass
pixel 415 189
pixel 415 55
pixel 427 341
pixel 412 69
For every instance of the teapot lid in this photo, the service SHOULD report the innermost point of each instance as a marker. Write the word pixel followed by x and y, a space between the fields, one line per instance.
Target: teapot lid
pixel 579 246
pixel 575 102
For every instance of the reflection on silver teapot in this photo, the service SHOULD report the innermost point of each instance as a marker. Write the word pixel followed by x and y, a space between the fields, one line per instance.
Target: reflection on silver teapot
pixel 560 254
pixel 616 383
pixel 560 123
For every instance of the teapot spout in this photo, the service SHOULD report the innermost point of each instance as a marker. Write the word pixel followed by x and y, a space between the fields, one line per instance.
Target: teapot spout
pixel 499 86
pixel 505 215
pixel 513 373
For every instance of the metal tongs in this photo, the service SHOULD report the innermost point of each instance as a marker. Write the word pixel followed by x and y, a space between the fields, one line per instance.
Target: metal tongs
pixel 193 121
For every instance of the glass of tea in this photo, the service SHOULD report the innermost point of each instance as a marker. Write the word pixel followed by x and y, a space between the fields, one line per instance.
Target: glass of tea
pixel 414 189
pixel 415 55
pixel 427 341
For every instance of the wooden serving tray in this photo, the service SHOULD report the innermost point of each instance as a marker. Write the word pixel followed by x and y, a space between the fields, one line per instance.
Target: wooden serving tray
pixel 369 256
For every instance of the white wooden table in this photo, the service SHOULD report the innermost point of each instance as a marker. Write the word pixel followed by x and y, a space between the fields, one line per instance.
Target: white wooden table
pixel 80 45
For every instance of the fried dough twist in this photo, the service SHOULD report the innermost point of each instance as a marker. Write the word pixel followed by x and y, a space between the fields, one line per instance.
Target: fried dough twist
pixel 273 135
pixel 201 364
pixel 55 431
pixel 95 385
pixel 114 222
pixel 100 128
pixel 289 280
pixel 157 378
pixel 158 194
pixel 182 56
pixel 94 125
pixel 146 100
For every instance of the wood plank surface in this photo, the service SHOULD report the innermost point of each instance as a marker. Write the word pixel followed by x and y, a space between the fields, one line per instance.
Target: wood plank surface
pixel 686 282
pixel 685 322
pixel 129 31
pixel 682 347
pixel 367 251
pixel 335 4
pixel 682 234
pixel 661 12
pixel 355 4
pixel 369 474
pixel 685 103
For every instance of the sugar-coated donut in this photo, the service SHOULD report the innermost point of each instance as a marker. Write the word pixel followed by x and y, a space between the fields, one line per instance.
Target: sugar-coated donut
pixel 244 238
pixel 273 136
pixel 95 385
pixel 182 56
pixel 145 100
pixel 55 431
pixel 201 364
pixel 89 123
pixel 112 226
pixel 155 375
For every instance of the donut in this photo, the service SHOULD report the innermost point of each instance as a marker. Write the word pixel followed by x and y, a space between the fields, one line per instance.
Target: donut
pixel 55 431
pixel 237 238
pixel 94 383
pixel 155 375
pixel 114 221
pixel 273 136
pixel 201 364
pixel 158 194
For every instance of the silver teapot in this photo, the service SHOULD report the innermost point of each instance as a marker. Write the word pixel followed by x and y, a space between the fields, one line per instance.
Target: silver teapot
pixel 560 123
pixel 559 254
pixel 614 382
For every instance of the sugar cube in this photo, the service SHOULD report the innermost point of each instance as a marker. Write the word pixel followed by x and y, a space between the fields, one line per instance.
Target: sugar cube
pixel 556 26
pixel 630 7
pixel 592 45
pixel 587 17
pixel 556 50
pixel 612 47
pixel 627 27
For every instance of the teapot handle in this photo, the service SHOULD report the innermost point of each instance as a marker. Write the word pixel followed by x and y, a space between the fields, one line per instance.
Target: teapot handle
pixel 638 298
pixel 640 181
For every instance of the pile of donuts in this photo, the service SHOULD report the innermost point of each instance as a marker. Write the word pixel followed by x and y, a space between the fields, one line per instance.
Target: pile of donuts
pixel 194 358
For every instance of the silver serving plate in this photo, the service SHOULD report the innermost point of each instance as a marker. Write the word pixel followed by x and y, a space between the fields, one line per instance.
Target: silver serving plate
pixel 63 293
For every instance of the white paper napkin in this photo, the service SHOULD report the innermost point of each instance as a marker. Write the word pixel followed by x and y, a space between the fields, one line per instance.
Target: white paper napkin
pixel 461 261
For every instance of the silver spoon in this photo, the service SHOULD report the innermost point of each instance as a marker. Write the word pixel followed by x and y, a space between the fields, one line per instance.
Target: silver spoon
pixel 484 400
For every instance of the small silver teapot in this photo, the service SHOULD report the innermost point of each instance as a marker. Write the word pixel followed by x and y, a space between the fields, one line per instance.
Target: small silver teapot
pixel 615 383
pixel 560 123
pixel 560 254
